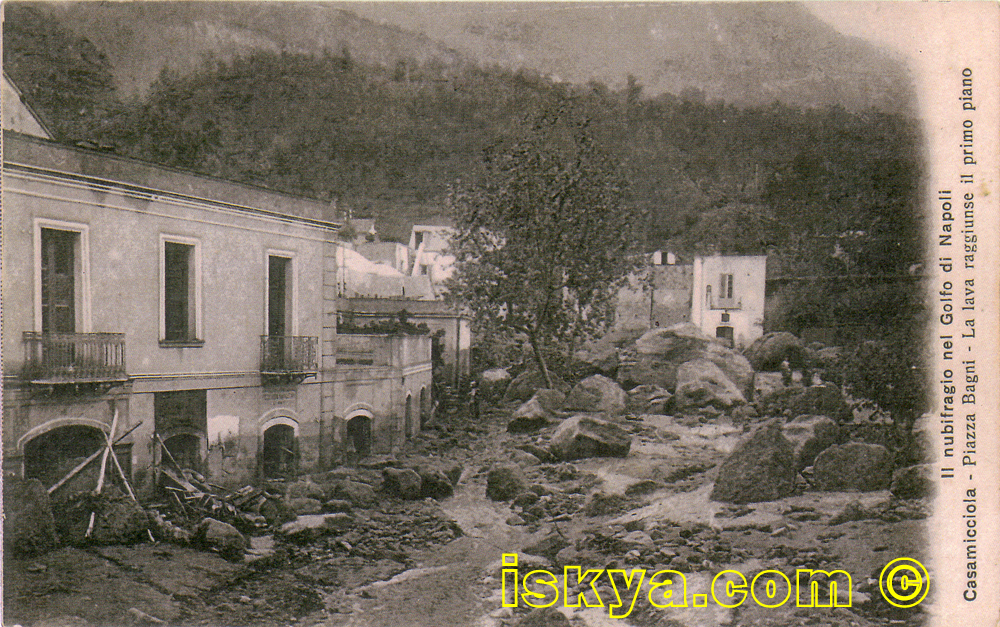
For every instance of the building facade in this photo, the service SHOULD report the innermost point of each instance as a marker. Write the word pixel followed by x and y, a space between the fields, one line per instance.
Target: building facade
pixel 197 316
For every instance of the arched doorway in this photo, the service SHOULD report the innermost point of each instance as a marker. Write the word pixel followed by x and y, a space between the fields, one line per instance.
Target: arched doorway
pixel 186 450
pixel 425 408
pixel 50 455
pixel 279 451
pixel 359 432
pixel 408 422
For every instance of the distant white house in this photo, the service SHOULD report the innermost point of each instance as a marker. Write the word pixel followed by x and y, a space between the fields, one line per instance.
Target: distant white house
pixel 723 295
pixel 429 245
pixel 18 114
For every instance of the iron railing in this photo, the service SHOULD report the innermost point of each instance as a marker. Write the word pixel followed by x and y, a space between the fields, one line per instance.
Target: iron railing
pixel 74 357
pixel 289 354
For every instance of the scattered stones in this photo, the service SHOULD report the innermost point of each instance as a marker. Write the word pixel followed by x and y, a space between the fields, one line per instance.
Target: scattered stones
pixel 402 483
pixel 913 482
pixel 334 506
pixel 596 393
pixel 523 458
pixel 525 500
pixel 701 383
pixel 853 511
pixel 810 436
pixel 582 436
pixel 853 466
pixel 221 537
pixel 29 528
pixel 307 528
pixel 767 352
pixel 760 469
pixel 542 454
pixel 648 399
pixel 504 482
pixel 544 617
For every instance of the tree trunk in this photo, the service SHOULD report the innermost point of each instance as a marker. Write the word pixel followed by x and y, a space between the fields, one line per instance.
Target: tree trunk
pixel 540 359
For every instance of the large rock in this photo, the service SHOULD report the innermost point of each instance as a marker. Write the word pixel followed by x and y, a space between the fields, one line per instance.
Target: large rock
pixel 810 436
pixel 302 505
pixel 822 400
pixel 493 383
pixel 913 482
pixel 648 399
pixel 853 466
pixel 582 436
pixel 526 384
pixel 505 481
pixel 762 468
pixel 308 528
pixel 222 537
pixel 305 489
pixel 434 484
pixel 551 400
pixel 28 527
pixel 403 483
pixel 359 494
pixel 120 521
pixel 660 352
pixel 530 416
pixel 596 393
pixel 768 351
pixel 701 383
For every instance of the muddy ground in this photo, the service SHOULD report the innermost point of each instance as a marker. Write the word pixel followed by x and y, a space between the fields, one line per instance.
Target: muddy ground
pixel 437 563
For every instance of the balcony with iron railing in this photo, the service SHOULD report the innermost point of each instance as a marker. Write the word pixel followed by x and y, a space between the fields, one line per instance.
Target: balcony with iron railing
pixel 68 358
pixel 288 357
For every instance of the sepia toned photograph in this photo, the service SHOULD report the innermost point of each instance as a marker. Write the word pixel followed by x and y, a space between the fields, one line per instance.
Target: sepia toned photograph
pixel 500 314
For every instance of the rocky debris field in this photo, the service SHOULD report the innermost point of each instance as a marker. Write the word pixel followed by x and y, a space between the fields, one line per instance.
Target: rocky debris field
pixel 672 452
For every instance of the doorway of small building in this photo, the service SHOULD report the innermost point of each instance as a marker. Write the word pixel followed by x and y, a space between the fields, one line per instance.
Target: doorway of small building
pixel 725 334
pixel 50 456
pixel 279 452
pixel 185 450
pixel 359 432
pixel 408 423
pixel 425 408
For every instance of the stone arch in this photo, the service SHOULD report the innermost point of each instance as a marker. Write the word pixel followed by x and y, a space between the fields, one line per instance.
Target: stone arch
pixel 408 416
pixel 188 446
pixel 425 407
pixel 52 452
pixel 279 416
pixel 56 424
pixel 359 430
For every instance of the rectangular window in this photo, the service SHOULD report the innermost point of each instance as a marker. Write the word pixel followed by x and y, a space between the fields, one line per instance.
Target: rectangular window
pixel 180 289
pixel 725 298
pixel 279 296
pixel 62 285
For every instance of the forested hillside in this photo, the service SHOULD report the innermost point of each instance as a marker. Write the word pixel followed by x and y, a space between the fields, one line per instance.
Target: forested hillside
pixel 825 191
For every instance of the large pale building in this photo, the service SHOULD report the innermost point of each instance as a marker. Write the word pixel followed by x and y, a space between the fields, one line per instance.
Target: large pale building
pixel 198 316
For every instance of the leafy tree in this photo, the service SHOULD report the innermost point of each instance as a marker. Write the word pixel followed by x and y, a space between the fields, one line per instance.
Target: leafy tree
pixel 545 239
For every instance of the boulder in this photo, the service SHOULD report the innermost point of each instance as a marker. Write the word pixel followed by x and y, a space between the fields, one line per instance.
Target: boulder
pixel 660 352
pixel 359 494
pixel 810 436
pixel 700 383
pixel 768 351
pixel 524 386
pixel 853 466
pixel 822 400
pixel 544 617
pixel 120 521
pixel 551 400
pixel 530 416
pixel 504 482
pixel 305 488
pixel 596 393
pixel 492 383
pixel 598 357
pixel 402 483
pixel 303 505
pixel 582 436
pixel 435 484
pixel 762 468
pixel 221 537
pixel 913 482
pixel 28 527
pixel 648 399
pixel 308 528
pixel 334 506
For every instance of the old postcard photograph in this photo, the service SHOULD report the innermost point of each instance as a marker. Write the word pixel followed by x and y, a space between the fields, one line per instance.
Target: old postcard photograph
pixel 500 314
